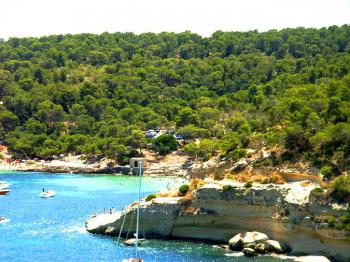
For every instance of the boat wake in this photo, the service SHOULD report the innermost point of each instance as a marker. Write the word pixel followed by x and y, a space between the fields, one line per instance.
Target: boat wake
pixel 53 231
pixel 74 229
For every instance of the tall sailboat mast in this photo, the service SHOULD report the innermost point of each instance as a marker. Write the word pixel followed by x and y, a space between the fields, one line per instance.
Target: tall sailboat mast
pixel 138 210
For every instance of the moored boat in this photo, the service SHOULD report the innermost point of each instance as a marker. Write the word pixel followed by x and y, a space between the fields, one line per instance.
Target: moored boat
pixel 47 194
pixel 4 185
pixel 4 220
pixel 4 191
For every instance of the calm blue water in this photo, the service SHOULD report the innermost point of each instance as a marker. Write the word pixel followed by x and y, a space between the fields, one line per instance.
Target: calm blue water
pixel 53 229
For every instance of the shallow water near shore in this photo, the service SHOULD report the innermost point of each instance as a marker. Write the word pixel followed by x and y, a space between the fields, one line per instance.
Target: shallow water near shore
pixel 53 229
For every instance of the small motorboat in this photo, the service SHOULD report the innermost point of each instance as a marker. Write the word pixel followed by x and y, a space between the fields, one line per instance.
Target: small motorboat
pixel 4 191
pixel 47 194
pixel 4 220
pixel 4 185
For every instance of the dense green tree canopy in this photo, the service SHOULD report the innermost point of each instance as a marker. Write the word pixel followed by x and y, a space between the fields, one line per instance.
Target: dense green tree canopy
pixel 95 94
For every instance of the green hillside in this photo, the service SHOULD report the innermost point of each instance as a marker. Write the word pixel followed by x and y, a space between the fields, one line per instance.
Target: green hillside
pixel 95 94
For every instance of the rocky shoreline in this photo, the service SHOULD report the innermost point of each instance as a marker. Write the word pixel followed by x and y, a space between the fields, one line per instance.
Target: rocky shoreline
pixel 217 211
pixel 73 170
pixel 172 165
pixel 62 167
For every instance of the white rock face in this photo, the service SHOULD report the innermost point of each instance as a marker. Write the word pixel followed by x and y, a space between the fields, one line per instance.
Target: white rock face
pixel 235 243
pixel 254 237
pixel 274 246
pixel 94 223
pixel 217 214
pixel 259 242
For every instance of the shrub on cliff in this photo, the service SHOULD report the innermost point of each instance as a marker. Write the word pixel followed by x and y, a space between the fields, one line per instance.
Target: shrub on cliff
pixel 340 189
pixel 341 223
pixel 205 149
pixel 184 189
pixel 248 184
pixel 150 197
pixel 345 222
pixel 328 171
pixel 237 154
pixel 164 144
pixel 317 192
pixel 226 188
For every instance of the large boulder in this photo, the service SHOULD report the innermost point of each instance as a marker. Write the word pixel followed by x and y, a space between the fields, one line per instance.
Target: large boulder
pixel 236 243
pixel 276 247
pixel 249 252
pixel 260 248
pixel 258 242
pixel 254 238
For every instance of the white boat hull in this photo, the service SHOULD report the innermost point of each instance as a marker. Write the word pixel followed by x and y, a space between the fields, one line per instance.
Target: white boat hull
pixel 47 194
pixel 3 221
pixel 4 185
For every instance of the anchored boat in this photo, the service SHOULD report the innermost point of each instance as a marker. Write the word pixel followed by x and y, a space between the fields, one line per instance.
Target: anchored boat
pixel 4 185
pixel 4 220
pixel 4 191
pixel 47 194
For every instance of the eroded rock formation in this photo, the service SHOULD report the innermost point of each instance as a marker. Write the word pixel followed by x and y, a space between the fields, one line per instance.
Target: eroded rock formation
pixel 218 212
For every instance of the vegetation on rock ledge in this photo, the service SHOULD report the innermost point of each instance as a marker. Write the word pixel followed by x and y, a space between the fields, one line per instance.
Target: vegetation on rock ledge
pixel 184 189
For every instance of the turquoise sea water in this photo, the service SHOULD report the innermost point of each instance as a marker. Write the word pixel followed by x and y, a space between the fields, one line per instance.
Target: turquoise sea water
pixel 53 229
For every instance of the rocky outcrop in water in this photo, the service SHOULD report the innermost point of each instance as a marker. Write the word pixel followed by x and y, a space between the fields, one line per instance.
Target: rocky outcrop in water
pixel 253 243
pixel 220 211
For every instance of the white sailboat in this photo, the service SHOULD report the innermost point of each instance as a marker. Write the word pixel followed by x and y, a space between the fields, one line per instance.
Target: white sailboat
pixel 47 194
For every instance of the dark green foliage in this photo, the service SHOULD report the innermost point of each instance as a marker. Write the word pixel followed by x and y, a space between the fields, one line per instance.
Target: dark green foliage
pixel 230 142
pixel 331 221
pixel 238 154
pixel 340 223
pixel 248 184
pixel 329 171
pixel 150 197
pixel 340 188
pixel 345 222
pixel 205 149
pixel 184 189
pixel 296 140
pixel 316 192
pixel 164 144
pixel 226 188
pixel 95 94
